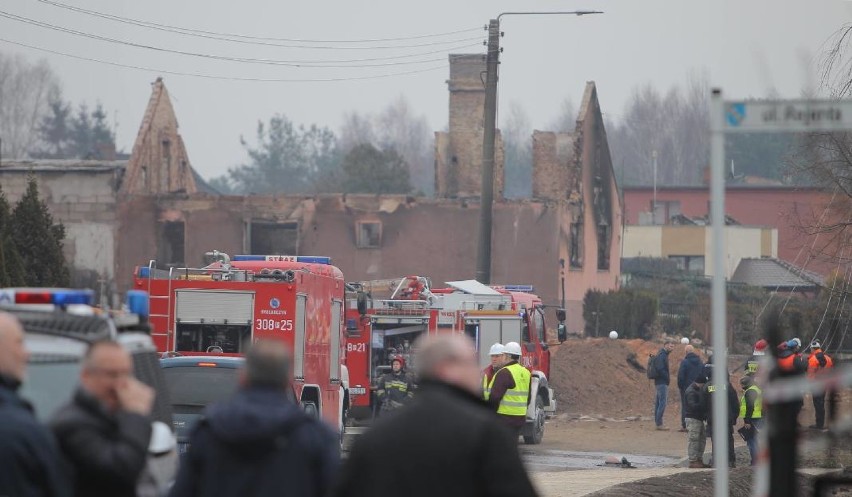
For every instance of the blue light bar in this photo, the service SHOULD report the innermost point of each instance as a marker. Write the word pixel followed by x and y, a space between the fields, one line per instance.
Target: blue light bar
pixel 144 272
pixel 519 288
pixel 304 259
pixel 137 302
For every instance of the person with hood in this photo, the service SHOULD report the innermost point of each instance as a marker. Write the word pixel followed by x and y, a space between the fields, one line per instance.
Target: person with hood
pixel 105 431
pixel 396 387
pixel 713 392
pixel 259 443
pixel 446 442
pixel 791 363
pixel 695 409
pixel 29 457
pixel 690 368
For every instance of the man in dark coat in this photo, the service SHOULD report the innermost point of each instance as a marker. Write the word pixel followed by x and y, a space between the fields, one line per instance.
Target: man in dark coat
pixel 661 383
pixel 695 410
pixel 30 465
pixel 713 392
pixel 105 430
pixel 690 368
pixel 446 442
pixel 259 443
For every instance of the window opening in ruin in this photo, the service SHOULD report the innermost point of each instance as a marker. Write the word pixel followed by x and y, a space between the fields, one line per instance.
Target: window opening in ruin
pixel 368 234
pixel 170 244
pixel 576 245
pixel 603 246
pixel 274 238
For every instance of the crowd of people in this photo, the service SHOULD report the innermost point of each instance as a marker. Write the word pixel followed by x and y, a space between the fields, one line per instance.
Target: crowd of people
pixel 259 442
pixel 698 393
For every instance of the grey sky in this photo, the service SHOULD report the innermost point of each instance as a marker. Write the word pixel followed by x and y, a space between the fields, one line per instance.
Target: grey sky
pixel 746 47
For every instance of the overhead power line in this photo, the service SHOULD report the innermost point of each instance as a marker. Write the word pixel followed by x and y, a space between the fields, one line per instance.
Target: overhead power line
pixel 243 38
pixel 278 62
pixel 224 78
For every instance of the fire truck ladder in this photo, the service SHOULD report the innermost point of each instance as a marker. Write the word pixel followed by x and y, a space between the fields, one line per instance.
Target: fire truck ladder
pixel 152 271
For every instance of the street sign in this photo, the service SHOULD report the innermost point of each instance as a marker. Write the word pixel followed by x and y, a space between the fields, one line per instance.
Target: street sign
pixel 803 115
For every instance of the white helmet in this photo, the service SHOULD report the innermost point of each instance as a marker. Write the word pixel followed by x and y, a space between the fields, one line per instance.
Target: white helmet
pixel 497 349
pixel 512 348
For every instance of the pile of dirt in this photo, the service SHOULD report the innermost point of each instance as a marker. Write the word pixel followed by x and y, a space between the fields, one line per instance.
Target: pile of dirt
pixel 595 377
pixel 697 484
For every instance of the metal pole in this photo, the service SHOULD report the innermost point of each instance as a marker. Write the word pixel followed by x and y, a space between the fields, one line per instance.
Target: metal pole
pixel 654 213
pixel 720 353
pixel 483 258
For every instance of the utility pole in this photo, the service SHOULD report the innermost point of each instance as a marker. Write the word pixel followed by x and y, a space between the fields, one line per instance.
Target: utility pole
pixel 654 213
pixel 492 61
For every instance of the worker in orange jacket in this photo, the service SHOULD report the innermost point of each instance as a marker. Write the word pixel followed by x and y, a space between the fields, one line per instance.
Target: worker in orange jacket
pixel 791 362
pixel 818 362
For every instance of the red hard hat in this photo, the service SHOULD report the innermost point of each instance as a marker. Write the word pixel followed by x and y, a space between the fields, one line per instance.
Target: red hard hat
pixel 400 359
pixel 760 345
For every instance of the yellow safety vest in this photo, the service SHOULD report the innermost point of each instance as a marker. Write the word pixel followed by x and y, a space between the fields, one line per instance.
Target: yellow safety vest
pixel 514 401
pixel 486 386
pixel 757 412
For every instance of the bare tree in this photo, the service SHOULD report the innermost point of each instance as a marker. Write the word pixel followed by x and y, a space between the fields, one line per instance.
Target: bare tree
pixel 517 144
pixel 25 90
pixel 398 128
pixel 566 120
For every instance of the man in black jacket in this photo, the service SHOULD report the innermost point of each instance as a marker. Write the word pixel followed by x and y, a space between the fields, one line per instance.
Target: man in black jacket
pixel 259 443
pixel 446 442
pixel 29 458
pixel 105 430
pixel 661 383
pixel 713 393
pixel 695 412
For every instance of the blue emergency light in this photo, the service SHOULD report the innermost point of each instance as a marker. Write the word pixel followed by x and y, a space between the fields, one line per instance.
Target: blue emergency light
pixel 304 259
pixel 144 272
pixel 137 303
pixel 519 288
pixel 54 296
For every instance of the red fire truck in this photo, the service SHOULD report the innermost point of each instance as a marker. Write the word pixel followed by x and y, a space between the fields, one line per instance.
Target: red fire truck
pixel 223 307
pixel 381 328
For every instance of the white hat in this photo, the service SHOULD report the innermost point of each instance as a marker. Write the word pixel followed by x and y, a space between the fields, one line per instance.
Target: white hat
pixel 513 348
pixel 496 349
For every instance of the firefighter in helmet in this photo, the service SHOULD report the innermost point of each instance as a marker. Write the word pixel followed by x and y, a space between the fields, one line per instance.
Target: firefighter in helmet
pixel 396 387
pixel 753 362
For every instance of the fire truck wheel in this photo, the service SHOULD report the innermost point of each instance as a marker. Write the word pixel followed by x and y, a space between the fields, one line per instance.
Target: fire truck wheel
pixel 538 425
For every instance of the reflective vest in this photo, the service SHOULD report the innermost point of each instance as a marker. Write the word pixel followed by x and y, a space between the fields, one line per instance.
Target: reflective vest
pixel 514 401
pixel 813 363
pixel 757 411
pixel 751 367
pixel 486 383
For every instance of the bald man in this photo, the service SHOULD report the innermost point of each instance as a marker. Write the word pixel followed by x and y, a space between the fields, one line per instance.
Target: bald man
pixel 691 367
pixel 29 459
pixel 447 441
pixel 105 430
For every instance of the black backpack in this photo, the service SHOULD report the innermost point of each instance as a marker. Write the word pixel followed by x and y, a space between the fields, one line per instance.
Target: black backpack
pixel 651 370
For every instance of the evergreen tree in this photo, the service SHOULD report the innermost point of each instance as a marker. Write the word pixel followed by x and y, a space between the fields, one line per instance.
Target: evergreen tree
pixel 81 133
pixel 54 130
pixel 11 265
pixel 370 170
pixel 38 240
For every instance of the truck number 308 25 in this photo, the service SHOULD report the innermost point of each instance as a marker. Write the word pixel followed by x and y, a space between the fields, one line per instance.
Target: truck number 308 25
pixel 274 324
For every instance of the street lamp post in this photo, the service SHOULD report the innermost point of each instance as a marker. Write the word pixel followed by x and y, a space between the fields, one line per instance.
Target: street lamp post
pixel 492 61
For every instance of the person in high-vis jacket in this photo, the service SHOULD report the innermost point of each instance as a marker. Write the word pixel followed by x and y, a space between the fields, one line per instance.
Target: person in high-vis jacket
pixel 753 362
pixel 751 410
pixel 818 362
pixel 497 353
pixel 510 389
pixel 396 387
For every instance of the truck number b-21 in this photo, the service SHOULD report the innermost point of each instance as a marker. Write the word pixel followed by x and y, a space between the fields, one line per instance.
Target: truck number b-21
pixel 356 347
pixel 274 324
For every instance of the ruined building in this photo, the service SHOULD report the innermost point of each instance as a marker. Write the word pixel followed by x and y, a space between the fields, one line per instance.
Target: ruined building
pixel 564 241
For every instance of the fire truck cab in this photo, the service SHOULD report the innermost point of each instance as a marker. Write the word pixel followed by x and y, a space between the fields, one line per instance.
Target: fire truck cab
pixel 381 328
pixel 223 307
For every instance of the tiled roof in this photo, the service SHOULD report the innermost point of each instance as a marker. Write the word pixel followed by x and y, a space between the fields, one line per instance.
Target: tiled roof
pixel 775 273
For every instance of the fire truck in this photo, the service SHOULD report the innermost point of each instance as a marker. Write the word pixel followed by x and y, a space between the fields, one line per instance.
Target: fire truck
pixel 385 317
pixel 223 307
